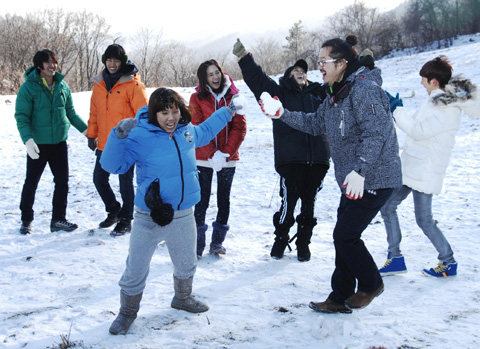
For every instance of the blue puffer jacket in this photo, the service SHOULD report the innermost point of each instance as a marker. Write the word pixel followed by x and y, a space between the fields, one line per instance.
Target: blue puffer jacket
pixel 170 157
pixel 360 128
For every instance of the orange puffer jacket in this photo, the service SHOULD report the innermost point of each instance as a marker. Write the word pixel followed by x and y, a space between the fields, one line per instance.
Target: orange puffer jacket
pixel 231 137
pixel 108 108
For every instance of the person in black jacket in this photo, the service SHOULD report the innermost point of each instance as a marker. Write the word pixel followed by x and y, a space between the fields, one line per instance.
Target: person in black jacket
pixel 301 160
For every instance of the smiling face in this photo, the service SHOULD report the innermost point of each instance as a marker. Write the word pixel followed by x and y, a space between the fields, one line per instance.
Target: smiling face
pixel 300 76
pixel 113 65
pixel 331 71
pixel 48 70
pixel 168 119
pixel 214 77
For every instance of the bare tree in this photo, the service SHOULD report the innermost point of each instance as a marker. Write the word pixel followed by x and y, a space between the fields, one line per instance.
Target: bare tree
pixel 18 44
pixel 91 37
pixel 149 55
pixel 180 65
pixel 268 54
pixel 58 34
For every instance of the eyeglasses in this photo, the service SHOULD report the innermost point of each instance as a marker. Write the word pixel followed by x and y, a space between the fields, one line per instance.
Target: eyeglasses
pixel 322 63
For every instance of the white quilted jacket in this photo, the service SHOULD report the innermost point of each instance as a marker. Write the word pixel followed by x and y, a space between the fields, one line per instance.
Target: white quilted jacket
pixel 430 134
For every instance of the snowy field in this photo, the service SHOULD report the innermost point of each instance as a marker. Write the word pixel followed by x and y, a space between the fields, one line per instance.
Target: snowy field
pixel 56 285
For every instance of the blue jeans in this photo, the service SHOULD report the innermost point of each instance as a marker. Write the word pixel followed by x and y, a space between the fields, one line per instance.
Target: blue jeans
pixel 180 236
pixel 423 214
pixel 127 192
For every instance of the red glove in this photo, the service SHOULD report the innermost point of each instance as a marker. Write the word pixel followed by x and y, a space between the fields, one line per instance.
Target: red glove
pixel 277 114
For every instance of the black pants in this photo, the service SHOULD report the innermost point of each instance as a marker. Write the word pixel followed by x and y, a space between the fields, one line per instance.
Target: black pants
pixel 56 155
pixel 127 191
pixel 224 186
pixel 352 259
pixel 298 181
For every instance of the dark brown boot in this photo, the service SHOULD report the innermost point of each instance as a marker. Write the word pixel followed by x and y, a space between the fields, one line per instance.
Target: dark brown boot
pixel 361 299
pixel 329 307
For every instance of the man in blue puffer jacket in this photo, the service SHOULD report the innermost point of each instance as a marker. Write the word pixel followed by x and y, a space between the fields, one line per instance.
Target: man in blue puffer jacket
pixel 161 141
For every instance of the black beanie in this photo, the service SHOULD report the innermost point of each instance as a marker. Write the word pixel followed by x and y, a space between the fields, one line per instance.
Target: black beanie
pixel 115 51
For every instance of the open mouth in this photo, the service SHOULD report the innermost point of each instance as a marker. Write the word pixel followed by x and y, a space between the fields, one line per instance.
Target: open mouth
pixel 170 125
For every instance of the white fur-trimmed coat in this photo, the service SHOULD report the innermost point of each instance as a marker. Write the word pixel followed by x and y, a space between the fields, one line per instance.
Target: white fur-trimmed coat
pixel 430 133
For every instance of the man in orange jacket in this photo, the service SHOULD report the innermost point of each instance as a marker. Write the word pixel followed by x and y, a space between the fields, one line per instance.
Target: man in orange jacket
pixel 117 94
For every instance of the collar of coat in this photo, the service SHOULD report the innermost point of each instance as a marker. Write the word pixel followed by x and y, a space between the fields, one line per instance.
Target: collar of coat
pixel 458 89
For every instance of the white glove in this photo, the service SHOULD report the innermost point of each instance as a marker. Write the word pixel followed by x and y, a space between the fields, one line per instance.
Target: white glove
pixel 32 149
pixel 271 107
pixel 218 161
pixel 354 183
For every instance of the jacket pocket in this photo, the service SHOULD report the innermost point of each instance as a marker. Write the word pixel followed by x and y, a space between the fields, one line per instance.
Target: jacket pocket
pixel 416 163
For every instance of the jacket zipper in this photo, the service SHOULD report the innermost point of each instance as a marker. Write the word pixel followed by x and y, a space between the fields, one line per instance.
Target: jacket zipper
pixel 181 170
pixel 342 124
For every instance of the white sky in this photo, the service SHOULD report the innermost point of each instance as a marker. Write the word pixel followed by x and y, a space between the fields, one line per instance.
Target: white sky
pixel 198 20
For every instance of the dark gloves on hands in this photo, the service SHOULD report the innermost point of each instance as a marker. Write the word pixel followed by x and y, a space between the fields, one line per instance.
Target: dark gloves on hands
pixel 92 143
pixel 124 127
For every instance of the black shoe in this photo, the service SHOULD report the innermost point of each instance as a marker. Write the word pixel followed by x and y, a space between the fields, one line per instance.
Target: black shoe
pixel 111 219
pixel 123 227
pixel 62 225
pixel 279 246
pixel 303 253
pixel 26 228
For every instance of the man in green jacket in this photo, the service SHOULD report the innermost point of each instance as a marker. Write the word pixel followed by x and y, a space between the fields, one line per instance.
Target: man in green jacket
pixel 44 112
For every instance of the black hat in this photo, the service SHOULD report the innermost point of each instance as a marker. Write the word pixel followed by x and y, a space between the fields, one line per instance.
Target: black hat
pixel 115 51
pixel 301 64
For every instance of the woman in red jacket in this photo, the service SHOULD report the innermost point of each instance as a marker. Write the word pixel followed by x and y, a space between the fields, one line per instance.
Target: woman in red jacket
pixel 215 89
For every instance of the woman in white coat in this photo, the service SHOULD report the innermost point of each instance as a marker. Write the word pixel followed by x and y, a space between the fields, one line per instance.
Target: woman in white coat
pixel 430 137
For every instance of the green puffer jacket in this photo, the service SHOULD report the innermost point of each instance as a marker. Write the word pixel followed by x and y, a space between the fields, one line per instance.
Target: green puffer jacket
pixel 44 116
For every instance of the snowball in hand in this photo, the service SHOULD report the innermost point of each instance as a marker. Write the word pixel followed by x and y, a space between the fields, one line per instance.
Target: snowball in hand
pixel 241 101
pixel 270 105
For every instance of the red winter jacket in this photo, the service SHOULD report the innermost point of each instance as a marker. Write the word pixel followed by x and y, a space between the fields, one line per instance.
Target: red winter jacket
pixel 231 137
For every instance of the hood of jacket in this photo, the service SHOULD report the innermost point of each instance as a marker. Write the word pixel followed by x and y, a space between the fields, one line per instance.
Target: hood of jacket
pixel 142 117
pixel 289 82
pixel 458 89
pixel 32 74
pixel 229 85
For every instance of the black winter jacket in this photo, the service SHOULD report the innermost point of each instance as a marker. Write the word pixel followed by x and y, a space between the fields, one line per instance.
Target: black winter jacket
pixel 290 146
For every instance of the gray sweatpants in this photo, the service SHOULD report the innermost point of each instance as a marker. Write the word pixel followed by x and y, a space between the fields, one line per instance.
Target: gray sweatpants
pixel 180 237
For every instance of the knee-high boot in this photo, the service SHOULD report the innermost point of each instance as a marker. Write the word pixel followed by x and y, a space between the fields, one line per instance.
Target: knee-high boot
pixel 129 306
pixel 304 234
pixel 201 239
pixel 218 236
pixel 281 237
pixel 183 298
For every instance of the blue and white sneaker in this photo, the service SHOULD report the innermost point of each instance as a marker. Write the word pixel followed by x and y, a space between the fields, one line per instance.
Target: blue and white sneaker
pixel 393 265
pixel 442 270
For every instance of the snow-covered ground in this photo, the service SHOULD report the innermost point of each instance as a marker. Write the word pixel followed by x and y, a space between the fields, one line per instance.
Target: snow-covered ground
pixel 55 285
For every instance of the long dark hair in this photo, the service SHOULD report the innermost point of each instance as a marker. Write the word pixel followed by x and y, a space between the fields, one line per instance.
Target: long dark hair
pixel 163 99
pixel 202 78
pixel 343 49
